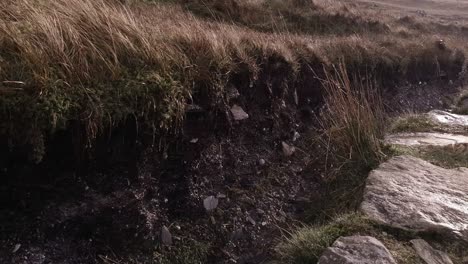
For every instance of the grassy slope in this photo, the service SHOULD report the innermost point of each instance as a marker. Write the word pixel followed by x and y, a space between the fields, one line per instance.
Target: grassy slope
pixel 100 62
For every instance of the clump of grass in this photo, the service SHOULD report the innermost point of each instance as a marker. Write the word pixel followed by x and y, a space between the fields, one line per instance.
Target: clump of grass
pixel 98 63
pixel 353 122
pixel 412 123
pixel 306 244
pixel 353 119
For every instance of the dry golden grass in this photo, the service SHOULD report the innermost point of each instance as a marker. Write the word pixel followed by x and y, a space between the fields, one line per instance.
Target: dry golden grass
pixel 353 118
pixel 99 62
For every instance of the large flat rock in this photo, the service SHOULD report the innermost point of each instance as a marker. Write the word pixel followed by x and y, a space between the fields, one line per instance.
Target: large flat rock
pixel 448 118
pixel 357 250
pixel 425 139
pixel 410 193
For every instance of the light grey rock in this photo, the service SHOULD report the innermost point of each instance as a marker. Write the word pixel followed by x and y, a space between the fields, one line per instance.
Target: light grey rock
pixel 410 193
pixel 427 139
pixel 357 250
pixel 238 113
pixel 446 118
pixel 287 149
pixel 210 203
pixel 16 248
pixel 429 254
pixel 261 162
pixel 166 236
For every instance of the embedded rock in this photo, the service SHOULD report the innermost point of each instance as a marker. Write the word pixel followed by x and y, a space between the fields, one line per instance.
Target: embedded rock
pixel 447 118
pixel 425 139
pixel 410 193
pixel 357 250
pixel 429 254
pixel 238 113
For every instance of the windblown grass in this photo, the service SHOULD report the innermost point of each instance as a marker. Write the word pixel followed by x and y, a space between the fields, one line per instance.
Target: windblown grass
pixel 353 122
pixel 353 119
pixel 99 63
pixel 307 244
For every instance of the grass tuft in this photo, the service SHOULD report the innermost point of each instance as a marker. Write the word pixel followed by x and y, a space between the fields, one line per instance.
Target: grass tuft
pixel 353 119
pixel 307 244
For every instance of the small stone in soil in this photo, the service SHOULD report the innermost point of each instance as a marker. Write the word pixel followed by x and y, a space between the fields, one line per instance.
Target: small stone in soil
pixel 166 237
pixel 250 219
pixel 210 203
pixel 238 113
pixel 287 149
pixel 16 248
pixel 296 136
pixel 261 162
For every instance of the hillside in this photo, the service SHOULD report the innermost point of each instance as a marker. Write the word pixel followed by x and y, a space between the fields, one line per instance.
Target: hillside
pixel 190 131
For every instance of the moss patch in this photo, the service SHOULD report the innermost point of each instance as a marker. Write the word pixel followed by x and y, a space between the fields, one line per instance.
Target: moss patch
pixel 412 123
pixel 307 244
pixel 452 156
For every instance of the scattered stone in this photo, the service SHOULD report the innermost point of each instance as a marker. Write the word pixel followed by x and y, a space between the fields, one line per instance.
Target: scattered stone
pixel 423 138
pixel 238 113
pixel 296 97
pixel 166 237
pixel 447 118
pixel 412 194
pixel 287 149
pixel 429 254
pixel 250 219
pixel 16 248
pixel 221 196
pixel 261 162
pixel 296 136
pixel 210 203
pixel 357 250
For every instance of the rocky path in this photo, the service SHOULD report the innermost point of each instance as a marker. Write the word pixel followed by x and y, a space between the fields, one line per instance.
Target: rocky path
pixel 408 193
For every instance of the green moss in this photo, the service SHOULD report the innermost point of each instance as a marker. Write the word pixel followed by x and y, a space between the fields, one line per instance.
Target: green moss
pixel 452 156
pixel 413 123
pixel 306 244
pixel 26 118
pixel 449 157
